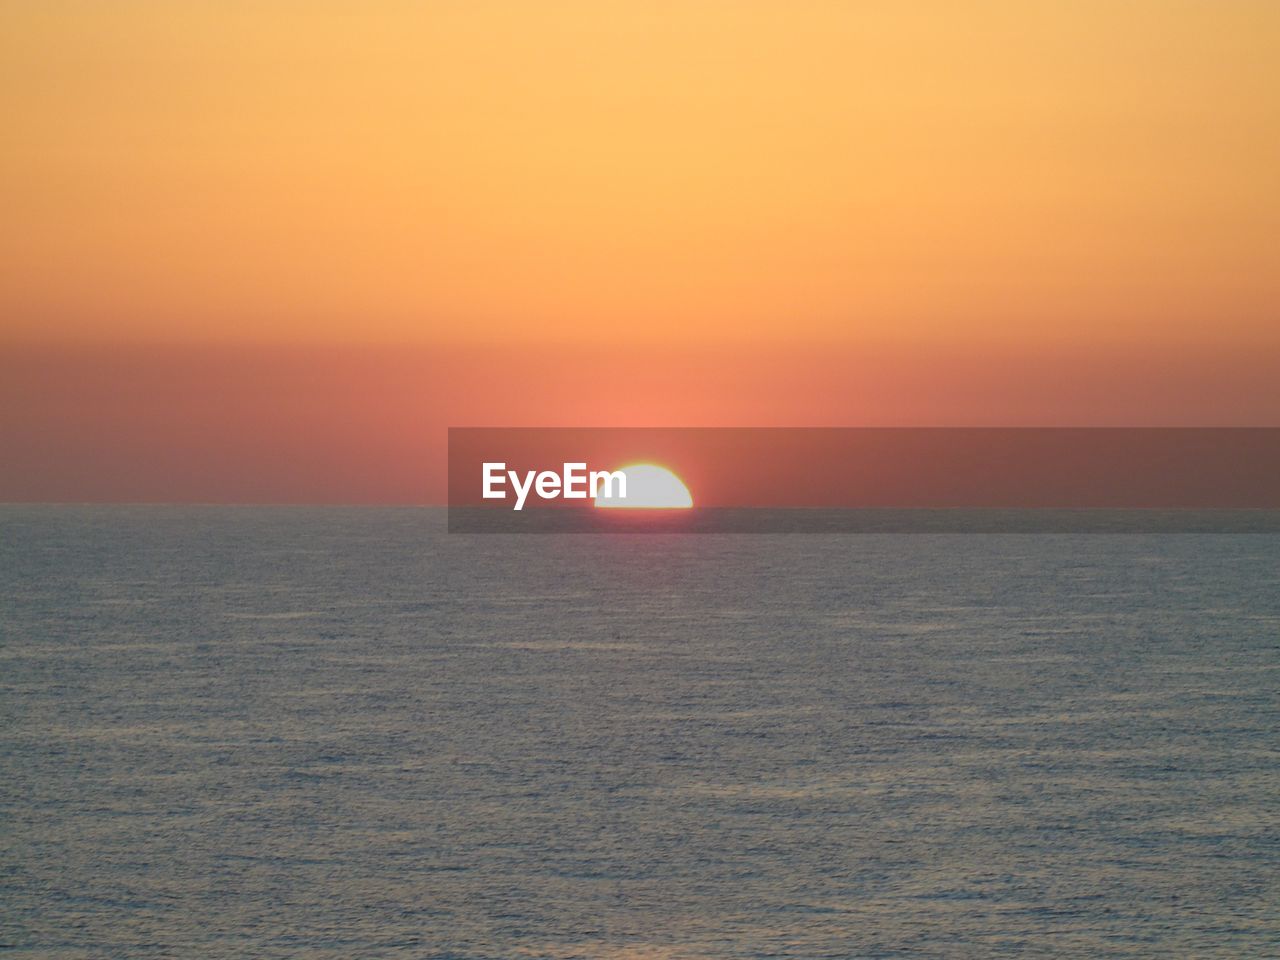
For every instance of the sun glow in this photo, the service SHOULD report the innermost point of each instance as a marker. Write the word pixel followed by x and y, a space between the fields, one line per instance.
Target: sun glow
pixel 648 487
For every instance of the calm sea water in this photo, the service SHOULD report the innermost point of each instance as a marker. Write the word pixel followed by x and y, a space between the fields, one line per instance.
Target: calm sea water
pixel 343 733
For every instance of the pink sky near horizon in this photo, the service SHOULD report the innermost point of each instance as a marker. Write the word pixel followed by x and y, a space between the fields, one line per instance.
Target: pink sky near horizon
pixel 315 424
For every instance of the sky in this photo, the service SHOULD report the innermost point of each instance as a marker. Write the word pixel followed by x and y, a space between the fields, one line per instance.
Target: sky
pixel 270 250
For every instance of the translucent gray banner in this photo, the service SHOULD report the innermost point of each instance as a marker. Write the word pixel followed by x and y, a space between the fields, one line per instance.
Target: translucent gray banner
pixel 855 480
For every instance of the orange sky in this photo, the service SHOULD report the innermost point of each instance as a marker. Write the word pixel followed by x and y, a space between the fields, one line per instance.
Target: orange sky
pixel 997 211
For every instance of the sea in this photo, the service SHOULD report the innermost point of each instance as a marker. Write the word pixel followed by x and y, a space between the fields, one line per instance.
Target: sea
pixel 347 733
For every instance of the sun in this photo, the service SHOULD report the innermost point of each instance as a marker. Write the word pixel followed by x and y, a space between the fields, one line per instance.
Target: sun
pixel 648 487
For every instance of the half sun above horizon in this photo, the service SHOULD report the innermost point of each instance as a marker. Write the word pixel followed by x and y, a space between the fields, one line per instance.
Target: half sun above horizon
pixel 648 487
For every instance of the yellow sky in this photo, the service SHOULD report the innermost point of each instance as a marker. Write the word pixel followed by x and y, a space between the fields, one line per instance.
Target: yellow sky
pixel 476 169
